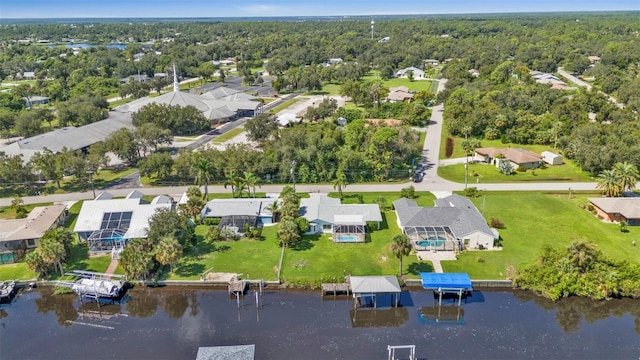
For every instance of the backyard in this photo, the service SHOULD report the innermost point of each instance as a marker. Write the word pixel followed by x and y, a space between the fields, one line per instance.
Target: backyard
pixel 533 219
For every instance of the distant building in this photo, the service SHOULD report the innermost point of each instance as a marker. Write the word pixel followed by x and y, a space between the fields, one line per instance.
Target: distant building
pixel 137 77
pixel 551 158
pixel 334 61
pixel 594 59
pixel 384 39
pixel 432 62
pixel 36 100
pixel 399 94
pixel 474 72
pixel 417 73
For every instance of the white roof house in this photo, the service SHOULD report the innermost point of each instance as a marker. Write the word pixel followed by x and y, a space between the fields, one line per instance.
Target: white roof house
pixel 234 207
pixel 326 214
pixel 417 73
pixel 129 217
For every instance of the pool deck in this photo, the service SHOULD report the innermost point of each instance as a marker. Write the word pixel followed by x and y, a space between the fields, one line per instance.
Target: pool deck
pixel 436 257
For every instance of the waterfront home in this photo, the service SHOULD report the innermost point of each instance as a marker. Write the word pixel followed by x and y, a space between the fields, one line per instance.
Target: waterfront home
pixel 345 222
pixel 106 223
pixel 19 235
pixel 233 214
pixel 453 224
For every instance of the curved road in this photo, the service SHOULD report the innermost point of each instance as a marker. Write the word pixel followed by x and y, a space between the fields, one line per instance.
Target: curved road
pixel 431 182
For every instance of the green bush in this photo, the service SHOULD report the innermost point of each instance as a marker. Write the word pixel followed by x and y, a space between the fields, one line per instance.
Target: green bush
pixel 471 192
pixel 408 192
pixel 521 169
pixel 211 221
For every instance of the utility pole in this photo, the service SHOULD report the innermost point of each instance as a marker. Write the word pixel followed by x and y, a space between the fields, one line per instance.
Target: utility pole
pixel 293 174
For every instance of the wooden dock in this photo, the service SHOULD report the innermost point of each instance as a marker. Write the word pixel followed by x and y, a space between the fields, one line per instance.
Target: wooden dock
pixel 237 287
pixel 336 288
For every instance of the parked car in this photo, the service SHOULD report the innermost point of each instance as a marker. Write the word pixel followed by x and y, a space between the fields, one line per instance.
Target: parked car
pixel 417 177
pixel 420 167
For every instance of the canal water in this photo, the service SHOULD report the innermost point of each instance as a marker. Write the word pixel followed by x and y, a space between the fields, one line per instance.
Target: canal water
pixel 172 322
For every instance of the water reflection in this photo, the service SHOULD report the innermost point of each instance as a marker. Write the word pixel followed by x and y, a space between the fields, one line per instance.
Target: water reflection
pixel 570 312
pixel 441 314
pixel 143 302
pixel 373 318
pixel 61 305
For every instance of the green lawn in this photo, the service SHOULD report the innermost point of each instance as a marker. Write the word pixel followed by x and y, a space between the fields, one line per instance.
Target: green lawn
pixel 459 152
pixel 7 213
pixel 490 174
pixel 228 135
pixel 416 85
pixel 314 258
pixel 327 89
pixel 533 219
pixel 284 105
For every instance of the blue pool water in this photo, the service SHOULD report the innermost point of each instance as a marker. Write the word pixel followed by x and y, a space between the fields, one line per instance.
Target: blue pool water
pixel 347 238
pixel 433 243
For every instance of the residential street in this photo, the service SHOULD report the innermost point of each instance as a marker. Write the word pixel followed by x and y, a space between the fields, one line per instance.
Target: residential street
pixel 431 181
pixel 579 82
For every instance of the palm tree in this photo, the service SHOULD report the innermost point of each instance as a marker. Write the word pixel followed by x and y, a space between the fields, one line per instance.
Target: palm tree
pixel 204 170
pixel 288 232
pixel 233 180
pixel 168 251
pixel 340 183
pixel 17 206
pixel 628 174
pixel 52 253
pixel 401 246
pixel 582 254
pixel 609 182
pixel 275 210
pixel 251 181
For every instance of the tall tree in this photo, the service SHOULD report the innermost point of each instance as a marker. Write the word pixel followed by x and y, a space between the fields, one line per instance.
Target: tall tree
pixel 168 251
pixel 401 246
pixel 288 232
pixel 203 168
pixel 340 183
pixel 609 183
pixel 251 181
pixel 235 181
pixel 627 174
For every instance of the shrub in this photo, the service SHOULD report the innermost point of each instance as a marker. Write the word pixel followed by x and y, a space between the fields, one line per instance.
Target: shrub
pixel 474 174
pixel 303 224
pixel 471 192
pixel 590 207
pixel 383 204
pixel 521 169
pixel 408 192
pixel 211 221
pixel 480 259
pixel 213 234
pixel 496 223
pixel 360 199
pixel 542 166
pixel 448 147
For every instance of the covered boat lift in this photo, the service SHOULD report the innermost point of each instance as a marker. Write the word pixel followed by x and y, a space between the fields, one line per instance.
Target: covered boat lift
pixel 364 287
pixel 452 283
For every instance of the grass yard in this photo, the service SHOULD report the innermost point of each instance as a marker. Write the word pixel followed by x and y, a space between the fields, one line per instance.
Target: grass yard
pixel 327 89
pixel 459 152
pixel 315 257
pixel 416 85
pixel 490 174
pixel 533 219
pixel 284 105
pixel 7 213
pixel 228 135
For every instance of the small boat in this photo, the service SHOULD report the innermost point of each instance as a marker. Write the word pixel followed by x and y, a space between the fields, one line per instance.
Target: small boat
pixel 98 288
pixel 7 290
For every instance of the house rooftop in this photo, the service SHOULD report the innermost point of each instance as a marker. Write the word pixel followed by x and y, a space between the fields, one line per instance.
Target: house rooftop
pixel 327 209
pixel 629 207
pixel 454 211
pixel 39 220
pixel 374 284
pixel 517 155
pixel 237 207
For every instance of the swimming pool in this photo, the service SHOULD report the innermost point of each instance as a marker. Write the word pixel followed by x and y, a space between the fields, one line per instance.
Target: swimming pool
pixel 430 243
pixel 347 238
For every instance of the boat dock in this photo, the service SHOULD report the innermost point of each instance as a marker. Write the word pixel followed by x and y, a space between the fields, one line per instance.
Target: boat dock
pixel 336 288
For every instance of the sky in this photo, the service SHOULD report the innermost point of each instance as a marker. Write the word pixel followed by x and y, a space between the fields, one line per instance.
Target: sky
pixel 255 8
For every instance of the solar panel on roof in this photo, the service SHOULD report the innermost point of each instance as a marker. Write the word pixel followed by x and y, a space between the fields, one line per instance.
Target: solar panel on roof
pixel 116 220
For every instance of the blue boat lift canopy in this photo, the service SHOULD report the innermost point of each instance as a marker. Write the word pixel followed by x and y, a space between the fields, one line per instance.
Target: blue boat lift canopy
pixel 455 283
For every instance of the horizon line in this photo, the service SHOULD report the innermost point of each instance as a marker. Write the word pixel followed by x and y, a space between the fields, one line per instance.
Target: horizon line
pixel 322 16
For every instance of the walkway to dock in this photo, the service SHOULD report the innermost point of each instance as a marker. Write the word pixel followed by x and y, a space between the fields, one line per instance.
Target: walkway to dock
pixel 112 267
pixel 336 288
pixel 436 257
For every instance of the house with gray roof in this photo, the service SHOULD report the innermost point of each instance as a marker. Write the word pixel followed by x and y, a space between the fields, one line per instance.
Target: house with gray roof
pixel 106 223
pixel 418 74
pixel 19 235
pixel 454 223
pixel 235 214
pixel 346 222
